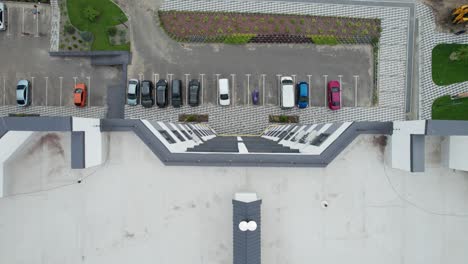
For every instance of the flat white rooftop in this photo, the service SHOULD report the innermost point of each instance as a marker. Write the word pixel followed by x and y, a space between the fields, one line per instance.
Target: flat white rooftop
pixel 135 210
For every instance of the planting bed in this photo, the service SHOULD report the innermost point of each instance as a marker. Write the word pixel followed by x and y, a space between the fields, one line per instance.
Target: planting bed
pixel 216 27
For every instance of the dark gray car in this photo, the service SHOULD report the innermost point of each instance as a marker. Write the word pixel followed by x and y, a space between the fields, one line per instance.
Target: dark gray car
pixel 161 93
pixel 194 93
pixel 147 94
pixel 176 93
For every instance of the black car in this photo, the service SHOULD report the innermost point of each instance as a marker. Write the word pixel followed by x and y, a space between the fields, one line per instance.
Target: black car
pixel 147 94
pixel 161 93
pixel 176 93
pixel 194 92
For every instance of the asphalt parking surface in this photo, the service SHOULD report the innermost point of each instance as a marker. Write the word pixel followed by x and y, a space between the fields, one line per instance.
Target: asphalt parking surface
pixel 24 51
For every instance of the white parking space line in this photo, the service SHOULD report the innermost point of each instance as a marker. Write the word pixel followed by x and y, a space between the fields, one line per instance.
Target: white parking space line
pixel 356 77
pixel 310 89
pixel 325 88
pixel 217 88
pixel 186 87
pixel 8 22
pixel 248 89
pixel 140 76
pixel 278 85
pixel 340 77
pixel 61 89
pixel 155 78
pixel 4 90
pixel 32 88
pixel 89 90
pixel 263 84
pixel 294 78
pixel 233 81
pixel 37 23
pixel 46 90
pixel 169 85
pixel 202 75
pixel 23 23
pixel 74 79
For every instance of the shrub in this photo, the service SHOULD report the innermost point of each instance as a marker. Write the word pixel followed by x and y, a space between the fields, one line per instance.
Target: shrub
pixel 298 29
pixel 281 21
pixel 216 18
pixel 112 31
pixel 287 30
pixel 261 20
pixel 69 29
pixel 230 29
pixel 90 13
pixel 220 31
pixel 256 28
pixel 75 46
pixel 86 36
pixel 247 29
pixel 302 21
pixel 271 20
pixel 122 32
pixel 233 19
pixel 238 39
pixel 324 40
pixel 225 18
pixel 80 41
pixel 205 19
pixel 73 37
pixel 365 32
pixel 339 23
pixel 277 28
pixel 244 19
pixel 69 48
pixel 313 20
pixel 293 21
pixel 187 19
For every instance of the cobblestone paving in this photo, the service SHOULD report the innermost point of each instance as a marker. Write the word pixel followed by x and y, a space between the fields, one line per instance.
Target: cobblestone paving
pixel 91 112
pixel 253 119
pixel 54 25
pixel 429 38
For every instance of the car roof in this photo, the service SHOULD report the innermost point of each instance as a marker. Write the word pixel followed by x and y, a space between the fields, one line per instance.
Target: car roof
pixel 223 86
pixel 288 95
pixel 80 85
pixel 303 89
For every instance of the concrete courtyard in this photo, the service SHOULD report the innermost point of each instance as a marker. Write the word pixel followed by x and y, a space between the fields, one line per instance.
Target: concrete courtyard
pixel 134 209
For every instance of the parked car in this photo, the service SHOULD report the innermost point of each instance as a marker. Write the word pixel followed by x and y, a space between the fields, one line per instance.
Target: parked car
pixel 334 95
pixel 23 93
pixel 223 86
pixel 302 94
pixel 194 93
pixel 79 94
pixel 287 92
pixel 161 93
pixel 176 93
pixel 2 16
pixel 147 94
pixel 133 91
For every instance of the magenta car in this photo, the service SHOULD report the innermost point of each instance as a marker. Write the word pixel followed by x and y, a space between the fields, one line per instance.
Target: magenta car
pixel 334 95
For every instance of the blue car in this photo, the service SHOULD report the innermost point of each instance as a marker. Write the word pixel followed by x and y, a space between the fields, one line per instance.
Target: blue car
pixel 302 94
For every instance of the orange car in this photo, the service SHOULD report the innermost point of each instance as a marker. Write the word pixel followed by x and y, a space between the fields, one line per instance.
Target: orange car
pixel 80 94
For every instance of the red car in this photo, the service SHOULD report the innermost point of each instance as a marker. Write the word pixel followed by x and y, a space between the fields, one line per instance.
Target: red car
pixel 334 95
pixel 79 94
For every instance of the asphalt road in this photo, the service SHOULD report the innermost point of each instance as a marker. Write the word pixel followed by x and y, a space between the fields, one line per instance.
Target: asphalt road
pixel 24 51
pixel 157 56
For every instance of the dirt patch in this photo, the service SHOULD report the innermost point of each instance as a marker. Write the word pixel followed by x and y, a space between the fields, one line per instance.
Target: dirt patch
pixel 52 141
pixel 442 10
pixel 380 142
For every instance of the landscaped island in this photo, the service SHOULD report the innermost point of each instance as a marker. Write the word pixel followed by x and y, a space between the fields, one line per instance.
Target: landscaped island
pixel 445 108
pixel 450 64
pixel 241 28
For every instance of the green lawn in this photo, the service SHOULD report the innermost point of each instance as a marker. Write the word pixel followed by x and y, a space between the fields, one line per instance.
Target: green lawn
pixel 446 109
pixel 445 71
pixel 110 15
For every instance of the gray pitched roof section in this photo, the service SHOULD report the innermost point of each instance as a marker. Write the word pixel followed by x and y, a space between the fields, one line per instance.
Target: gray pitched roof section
pixel 78 150
pixel 247 244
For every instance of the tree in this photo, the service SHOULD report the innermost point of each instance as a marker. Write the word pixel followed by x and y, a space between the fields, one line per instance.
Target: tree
pixel 91 13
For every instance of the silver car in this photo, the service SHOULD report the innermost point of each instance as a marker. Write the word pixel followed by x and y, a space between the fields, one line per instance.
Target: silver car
pixel 133 92
pixel 23 93
pixel 2 16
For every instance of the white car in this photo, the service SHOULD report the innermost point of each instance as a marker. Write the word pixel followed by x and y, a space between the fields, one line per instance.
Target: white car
pixel 287 92
pixel 133 91
pixel 223 86
pixel 23 97
pixel 2 16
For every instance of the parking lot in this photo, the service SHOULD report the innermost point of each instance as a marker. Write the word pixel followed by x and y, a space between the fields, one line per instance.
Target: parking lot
pixel 25 55
pixel 261 66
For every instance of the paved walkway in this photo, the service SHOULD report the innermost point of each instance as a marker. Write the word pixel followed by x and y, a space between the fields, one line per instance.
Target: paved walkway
pixel 429 38
pixel 91 112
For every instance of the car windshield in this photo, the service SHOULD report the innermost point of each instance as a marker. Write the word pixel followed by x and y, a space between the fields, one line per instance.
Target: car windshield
pixel 303 99
pixel 131 96
pixel 78 91
pixel 224 97
pixel 336 103
pixel 287 82
pixel 335 89
pixel 20 101
pixel 20 87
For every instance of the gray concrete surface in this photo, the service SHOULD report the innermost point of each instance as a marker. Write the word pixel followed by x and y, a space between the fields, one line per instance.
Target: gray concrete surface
pixel 134 208
pixel 24 53
pixel 157 56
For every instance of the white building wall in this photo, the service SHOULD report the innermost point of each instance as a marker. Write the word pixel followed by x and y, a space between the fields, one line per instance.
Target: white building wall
pixel 457 149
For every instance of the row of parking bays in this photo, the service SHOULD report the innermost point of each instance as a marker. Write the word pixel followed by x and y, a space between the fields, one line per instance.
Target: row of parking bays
pixel 242 86
pixel 48 91
pixel 23 19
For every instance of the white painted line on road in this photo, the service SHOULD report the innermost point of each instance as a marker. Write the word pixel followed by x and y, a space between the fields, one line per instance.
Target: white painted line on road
pixel 32 87
pixel 201 77
pixel 37 24
pixel 186 87
pixel 294 78
pixel 61 89
pixel 217 88
pixel 169 85
pixel 340 77
pixel 4 90
pixel 263 84
pixel 46 90
pixel 233 82
pixel 248 89
pixel 89 90
pixel 325 87
pixel 310 89
pixel 278 85
pixel 23 23
pixel 8 22
pixel 356 77
pixel 140 76
pixel 74 78
pixel 154 78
